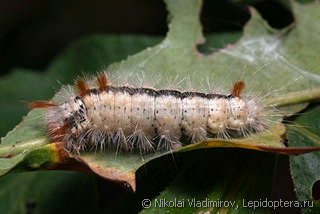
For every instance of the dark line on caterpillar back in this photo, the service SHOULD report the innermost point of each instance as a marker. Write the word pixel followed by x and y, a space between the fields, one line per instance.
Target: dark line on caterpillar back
pixel 156 93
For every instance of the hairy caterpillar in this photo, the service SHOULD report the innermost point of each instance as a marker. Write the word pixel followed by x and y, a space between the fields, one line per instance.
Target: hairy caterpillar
pixel 146 119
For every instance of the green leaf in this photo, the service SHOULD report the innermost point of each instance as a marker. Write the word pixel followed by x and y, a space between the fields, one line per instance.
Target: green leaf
pixel 49 192
pixel 216 181
pixel 279 66
pixel 305 168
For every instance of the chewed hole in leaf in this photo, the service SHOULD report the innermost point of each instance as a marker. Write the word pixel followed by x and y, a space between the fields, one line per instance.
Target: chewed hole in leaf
pixel 316 190
pixel 215 20
pixel 276 14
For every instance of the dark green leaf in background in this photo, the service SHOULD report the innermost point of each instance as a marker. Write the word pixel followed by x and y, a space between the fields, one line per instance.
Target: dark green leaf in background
pixel 305 168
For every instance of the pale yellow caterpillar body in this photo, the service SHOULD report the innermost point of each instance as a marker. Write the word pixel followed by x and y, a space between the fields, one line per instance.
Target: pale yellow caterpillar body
pixel 145 119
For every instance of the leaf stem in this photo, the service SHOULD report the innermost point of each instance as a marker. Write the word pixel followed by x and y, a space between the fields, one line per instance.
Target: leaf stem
pixel 294 97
